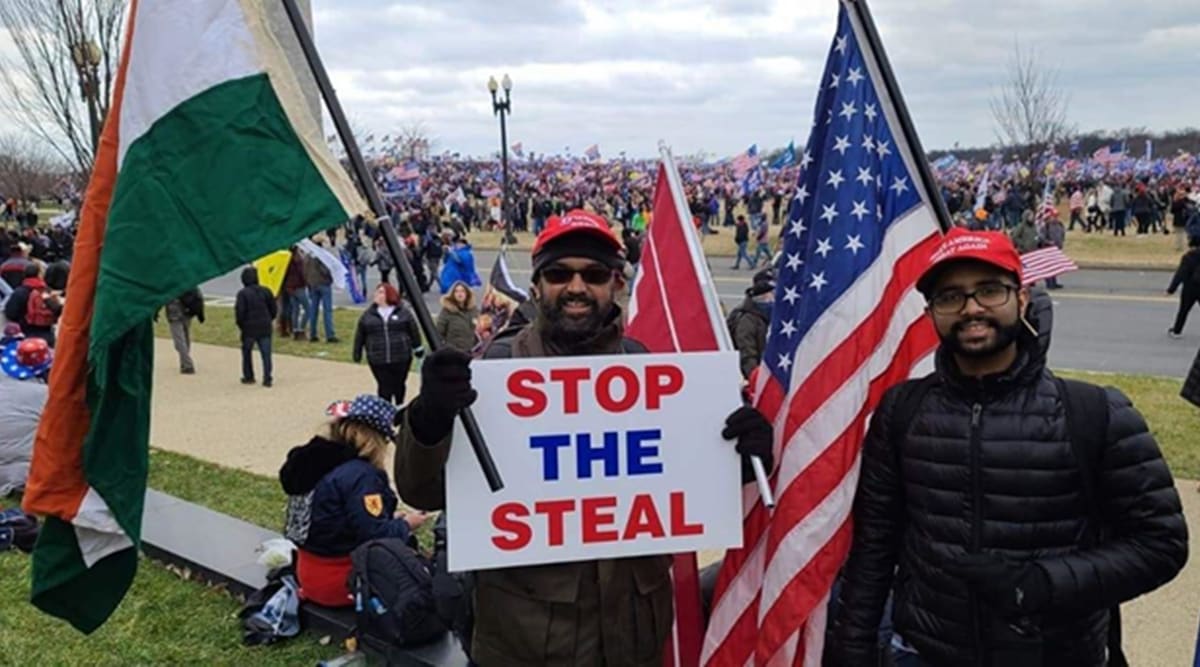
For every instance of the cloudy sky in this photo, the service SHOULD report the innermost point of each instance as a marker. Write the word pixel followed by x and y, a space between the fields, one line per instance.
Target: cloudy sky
pixel 717 76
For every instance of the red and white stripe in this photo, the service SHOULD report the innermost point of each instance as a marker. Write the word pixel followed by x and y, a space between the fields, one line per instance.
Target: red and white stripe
pixel 1045 263
pixel 772 593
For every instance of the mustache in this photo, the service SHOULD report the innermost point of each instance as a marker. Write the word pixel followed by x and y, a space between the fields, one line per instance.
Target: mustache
pixel 574 299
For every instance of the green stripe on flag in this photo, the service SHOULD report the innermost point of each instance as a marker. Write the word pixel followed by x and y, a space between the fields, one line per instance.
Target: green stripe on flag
pixel 63 586
pixel 220 180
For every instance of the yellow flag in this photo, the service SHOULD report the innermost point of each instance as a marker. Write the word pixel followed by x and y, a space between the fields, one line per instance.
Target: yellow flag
pixel 271 269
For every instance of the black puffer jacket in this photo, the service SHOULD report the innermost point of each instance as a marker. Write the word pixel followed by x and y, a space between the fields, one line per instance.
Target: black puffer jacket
pixel 254 309
pixel 1009 486
pixel 390 342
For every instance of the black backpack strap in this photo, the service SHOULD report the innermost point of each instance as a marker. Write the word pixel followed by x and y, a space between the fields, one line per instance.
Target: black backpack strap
pixel 1086 407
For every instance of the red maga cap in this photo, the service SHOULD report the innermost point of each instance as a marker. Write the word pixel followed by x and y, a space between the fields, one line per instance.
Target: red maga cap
pixel 959 244
pixel 576 221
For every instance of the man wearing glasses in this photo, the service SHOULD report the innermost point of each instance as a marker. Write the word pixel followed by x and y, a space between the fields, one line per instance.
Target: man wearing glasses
pixel 1008 512
pixel 607 612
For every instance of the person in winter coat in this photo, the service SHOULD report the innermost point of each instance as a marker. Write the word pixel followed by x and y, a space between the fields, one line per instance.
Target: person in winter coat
pixel 34 306
pixel 750 321
pixel 320 298
pixel 254 310
pixel 1191 386
pixel 1054 233
pixel 383 260
pixel 459 266
pixel 388 332
pixel 1187 276
pixel 26 365
pixel 180 312
pixel 339 497
pixel 1144 209
pixel 297 291
pixel 1025 234
pixel 741 236
pixel 972 508
pixel 596 612
pixel 456 321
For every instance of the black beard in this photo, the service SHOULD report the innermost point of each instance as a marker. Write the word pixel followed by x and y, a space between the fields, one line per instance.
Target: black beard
pixel 1005 335
pixel 569 330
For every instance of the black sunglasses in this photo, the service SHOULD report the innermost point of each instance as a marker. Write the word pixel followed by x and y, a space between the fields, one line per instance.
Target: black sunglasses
pixel 557 274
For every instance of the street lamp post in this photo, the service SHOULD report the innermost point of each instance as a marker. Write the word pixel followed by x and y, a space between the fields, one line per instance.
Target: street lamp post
pixel 86 56
pixel 502 109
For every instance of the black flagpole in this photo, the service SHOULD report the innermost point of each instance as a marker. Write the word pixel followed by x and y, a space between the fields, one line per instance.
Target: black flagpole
pixel 367 185
pixel 863 13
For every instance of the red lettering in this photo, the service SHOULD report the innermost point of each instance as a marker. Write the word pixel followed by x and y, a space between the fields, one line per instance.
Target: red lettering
pixel 506 518
pixel 661 380
pixel 604 392
pixel 593 520
pixel 554 510
pixel 643 518
pixel 522 385
pixel 679 525
pixel 570 379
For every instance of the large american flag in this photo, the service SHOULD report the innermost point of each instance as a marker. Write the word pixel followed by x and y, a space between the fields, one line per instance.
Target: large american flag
pixel 847 324
pixel 1045 263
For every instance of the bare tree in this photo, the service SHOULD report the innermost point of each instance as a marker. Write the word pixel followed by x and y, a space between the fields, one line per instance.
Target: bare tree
pixel 1031 109
pixel 41 86
pixel 28 169
pixel 414 141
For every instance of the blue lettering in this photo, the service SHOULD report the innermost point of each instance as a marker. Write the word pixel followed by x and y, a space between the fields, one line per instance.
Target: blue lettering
pixel 586 455
pixel 550 444
pixel 637 452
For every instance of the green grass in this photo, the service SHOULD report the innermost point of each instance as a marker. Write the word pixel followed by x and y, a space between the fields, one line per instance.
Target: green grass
pixel 219 328
pixel 164 620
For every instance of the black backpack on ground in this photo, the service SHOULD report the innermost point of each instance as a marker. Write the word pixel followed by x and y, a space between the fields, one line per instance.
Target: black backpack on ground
pixel 393 594
pixel 1086 407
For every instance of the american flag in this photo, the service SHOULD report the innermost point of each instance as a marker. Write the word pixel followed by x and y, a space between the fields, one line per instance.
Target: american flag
pixel 743 163
pixel 592 152
pixel 1045 263
pixel 847 324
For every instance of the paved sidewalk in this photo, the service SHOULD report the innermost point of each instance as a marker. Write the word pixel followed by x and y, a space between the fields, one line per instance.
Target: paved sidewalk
pixel 212 416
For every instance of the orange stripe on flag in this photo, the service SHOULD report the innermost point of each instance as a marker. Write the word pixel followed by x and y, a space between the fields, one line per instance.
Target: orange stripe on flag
pixel 56 477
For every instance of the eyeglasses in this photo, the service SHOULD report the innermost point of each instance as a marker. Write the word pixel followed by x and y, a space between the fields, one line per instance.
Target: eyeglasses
pixel 951 302
pixel 557 274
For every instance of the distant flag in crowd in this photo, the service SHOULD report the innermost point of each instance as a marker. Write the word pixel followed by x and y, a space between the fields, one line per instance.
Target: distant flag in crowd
pixel 673 308
pixel 981 192
pixel 1045 263
pixel 945 162
pixel 592 152
pixel 331 138
pixel 502 281
pixel 785 159
pixel 743 163
pixel 409 171
pixel 847 324
pixel 518 149
pixel 203 98
pixel 370 139
pixel 1149 149
pixel 271 269
pixel 350 281
pixel 385 138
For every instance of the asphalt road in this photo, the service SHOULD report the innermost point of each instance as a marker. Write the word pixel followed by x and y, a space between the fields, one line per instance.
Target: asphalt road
pixel 1104 320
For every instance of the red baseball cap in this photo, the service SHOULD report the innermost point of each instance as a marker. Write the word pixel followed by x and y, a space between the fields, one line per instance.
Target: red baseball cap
pixel 961 244
pixel 577 221
pixel 579 233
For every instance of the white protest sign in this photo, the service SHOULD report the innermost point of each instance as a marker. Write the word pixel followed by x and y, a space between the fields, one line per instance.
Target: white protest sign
pixel 602 457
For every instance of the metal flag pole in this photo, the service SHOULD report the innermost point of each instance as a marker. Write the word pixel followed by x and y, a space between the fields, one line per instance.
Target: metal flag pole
pixel 367 185
pixel 860 10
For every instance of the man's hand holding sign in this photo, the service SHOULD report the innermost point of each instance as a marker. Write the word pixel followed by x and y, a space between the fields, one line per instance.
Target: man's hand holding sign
pixel 613 458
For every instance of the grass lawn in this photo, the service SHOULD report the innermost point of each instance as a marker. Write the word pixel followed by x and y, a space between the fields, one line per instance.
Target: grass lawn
pixel 219 328
pixel 164 619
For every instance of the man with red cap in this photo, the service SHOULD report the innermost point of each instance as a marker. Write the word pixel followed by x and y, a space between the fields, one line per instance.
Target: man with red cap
pixel 608 612
pixel 1007 511
pixel 25 363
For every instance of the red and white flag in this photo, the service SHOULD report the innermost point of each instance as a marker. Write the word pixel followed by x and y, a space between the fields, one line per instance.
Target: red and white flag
pixel 847 324
pixel 673 308
pixel 1045 263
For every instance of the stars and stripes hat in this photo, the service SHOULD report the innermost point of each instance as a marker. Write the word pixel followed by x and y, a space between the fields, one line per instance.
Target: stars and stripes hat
pixel 26 358
pixel 960 244
pixel 367 409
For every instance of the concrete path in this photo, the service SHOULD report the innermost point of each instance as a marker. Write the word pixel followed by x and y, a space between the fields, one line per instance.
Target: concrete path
pixel 213 417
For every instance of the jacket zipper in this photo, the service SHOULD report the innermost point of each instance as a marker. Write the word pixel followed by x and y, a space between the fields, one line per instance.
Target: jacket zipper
pixel 976 523
pixel 387 344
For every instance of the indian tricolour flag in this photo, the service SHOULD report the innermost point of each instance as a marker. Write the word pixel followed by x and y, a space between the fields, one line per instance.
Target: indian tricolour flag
pixel 209 159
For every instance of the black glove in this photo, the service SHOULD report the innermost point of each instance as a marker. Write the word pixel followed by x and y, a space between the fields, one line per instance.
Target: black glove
pixel 754 438
pixel 1011 587
pixel 445 389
